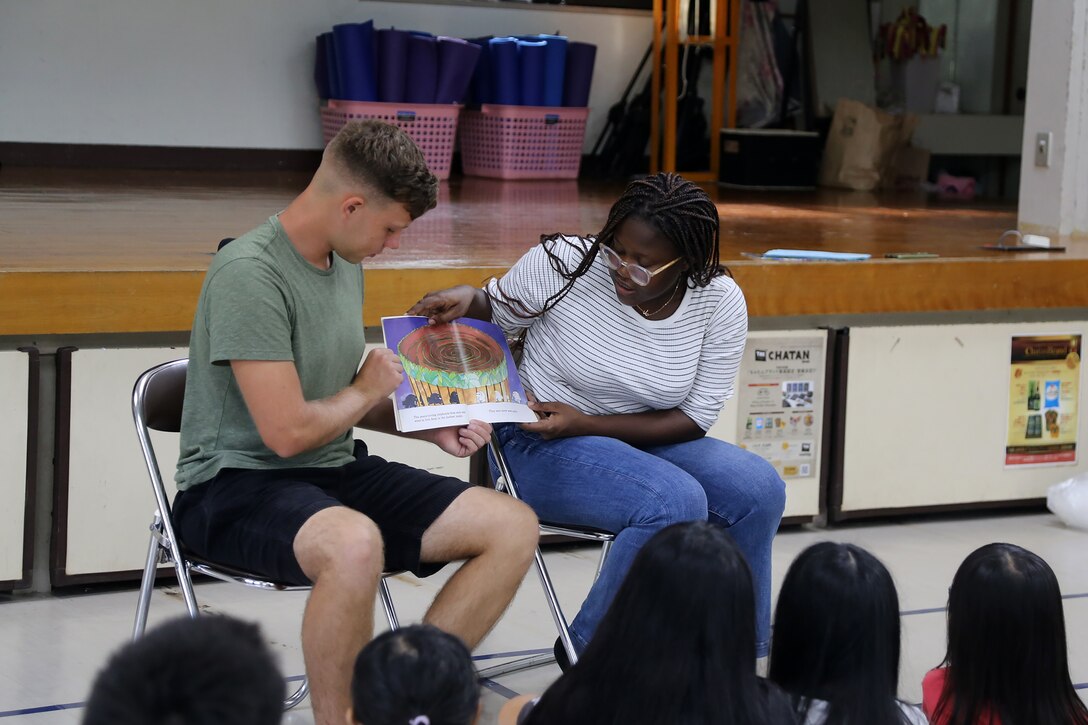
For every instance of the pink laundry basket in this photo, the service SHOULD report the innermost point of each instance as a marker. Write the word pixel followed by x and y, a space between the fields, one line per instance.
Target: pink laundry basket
pixel 432 126
pixel 523 142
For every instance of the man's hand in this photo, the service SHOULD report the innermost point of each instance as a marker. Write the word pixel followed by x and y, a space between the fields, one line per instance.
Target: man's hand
pixel 557 420
pixel 460 441
pixel 381 373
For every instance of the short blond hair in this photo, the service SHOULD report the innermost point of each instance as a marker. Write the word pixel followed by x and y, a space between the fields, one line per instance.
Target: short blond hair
pixel 384 158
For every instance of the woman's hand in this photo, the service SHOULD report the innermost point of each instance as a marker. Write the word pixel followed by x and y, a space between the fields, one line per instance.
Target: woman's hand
pixel 557 420
pixel 448 304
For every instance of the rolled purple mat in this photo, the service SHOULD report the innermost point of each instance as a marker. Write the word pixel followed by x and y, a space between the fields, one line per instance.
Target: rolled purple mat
pixel 355 60
pixel 392 64
pixel 421 79
pixel 335 91
pixel 579 74
pixel 481 90
pixel 532 55
pixel 505 76
pixel 321 66
pixel 555 66
pixel 456 63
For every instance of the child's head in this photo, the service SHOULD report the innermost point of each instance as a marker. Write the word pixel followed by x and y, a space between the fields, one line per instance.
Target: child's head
pixel 836 633
pixel 417 675
pixel 206 671
pixel 677 643
pixel 690 589
pixel 1006 639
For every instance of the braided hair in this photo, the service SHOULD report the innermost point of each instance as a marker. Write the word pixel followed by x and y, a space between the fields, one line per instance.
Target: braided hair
pixel 678 209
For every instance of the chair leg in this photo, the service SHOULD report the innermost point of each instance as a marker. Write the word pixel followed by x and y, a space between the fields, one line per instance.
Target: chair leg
pixel 387 604
pixel 185 581
pixel 605 548
pixel 298 695
pixel 147 586
pixel 561 627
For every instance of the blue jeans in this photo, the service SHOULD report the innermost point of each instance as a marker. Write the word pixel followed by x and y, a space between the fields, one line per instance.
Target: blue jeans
pixel 608 484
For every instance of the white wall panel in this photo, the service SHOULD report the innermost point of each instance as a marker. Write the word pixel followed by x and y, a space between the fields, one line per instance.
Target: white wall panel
pixel 110 503
pixel 13 421
pixel 927 416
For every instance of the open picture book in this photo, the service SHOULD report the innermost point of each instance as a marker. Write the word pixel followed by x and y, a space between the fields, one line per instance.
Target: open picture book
pixel 454 373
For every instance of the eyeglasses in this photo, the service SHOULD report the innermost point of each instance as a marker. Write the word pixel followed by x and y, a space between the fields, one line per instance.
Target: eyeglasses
pixel 638 274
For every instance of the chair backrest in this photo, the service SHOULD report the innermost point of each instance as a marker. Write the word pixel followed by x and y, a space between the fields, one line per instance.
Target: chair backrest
pixel 158 396
pixel 156 405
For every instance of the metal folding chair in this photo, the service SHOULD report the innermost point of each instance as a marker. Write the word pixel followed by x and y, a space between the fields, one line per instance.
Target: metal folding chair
pixel 506 482
pixel 156 405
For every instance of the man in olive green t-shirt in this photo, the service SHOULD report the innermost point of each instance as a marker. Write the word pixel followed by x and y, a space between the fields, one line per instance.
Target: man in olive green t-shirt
pixel 269 478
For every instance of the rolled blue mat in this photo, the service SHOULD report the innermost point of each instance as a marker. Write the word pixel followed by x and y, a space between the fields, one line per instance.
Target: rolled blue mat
pixel 421 79
pixel 392 64
pixel 532 56
pixel 505 76
pixel 481 79
pixel 355 60
pixel 321 66
pixel 456 63
pixel 579 74
pixel 335 91
pixel 555 65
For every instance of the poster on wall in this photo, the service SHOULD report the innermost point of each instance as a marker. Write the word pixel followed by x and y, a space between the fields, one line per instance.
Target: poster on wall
pixel 1044 387
pixel 780 396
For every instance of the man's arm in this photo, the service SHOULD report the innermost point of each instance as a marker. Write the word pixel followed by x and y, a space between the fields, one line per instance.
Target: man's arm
pixel 288 423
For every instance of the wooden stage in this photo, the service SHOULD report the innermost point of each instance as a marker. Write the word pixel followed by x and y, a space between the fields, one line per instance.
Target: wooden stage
pixel 125 251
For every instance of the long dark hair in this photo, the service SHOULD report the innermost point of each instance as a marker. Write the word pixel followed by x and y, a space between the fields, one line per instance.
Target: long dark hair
pixel 678 209
pixel 1006 643
pixel 677 645
pixel 411 672
pixel 836 635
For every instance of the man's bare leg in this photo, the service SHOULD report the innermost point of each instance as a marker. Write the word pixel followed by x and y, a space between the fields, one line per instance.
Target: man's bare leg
pixel 340 550
pixel 498 535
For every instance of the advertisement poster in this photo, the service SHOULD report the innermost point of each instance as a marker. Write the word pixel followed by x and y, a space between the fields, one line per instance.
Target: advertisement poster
pixel 1044 387
pixel 780 396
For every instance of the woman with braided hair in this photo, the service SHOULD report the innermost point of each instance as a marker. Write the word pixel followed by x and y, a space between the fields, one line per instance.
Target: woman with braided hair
pixel 631 341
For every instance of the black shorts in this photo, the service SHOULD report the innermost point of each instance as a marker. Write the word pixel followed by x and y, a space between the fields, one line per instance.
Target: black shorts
pixel 248 519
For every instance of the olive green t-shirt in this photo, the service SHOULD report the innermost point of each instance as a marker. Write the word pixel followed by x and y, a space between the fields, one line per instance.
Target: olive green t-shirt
pixel 262 300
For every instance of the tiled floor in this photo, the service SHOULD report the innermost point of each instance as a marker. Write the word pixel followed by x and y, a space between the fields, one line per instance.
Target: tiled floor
pixel 51 647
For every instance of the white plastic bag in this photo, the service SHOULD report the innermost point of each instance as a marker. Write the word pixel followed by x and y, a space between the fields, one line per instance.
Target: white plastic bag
pixel 1069 501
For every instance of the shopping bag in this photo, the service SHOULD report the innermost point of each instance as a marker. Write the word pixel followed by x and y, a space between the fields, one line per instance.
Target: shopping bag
pixel 1069 501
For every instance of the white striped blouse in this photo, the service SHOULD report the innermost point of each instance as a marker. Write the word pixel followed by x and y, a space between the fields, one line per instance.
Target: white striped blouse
pixel 602 357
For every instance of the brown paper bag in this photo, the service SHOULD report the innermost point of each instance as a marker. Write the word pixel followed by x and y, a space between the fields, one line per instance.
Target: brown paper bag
pixel 862 145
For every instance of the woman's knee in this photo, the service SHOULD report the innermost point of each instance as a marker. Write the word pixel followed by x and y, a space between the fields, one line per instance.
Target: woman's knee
pixel 768 489
pixel 673 501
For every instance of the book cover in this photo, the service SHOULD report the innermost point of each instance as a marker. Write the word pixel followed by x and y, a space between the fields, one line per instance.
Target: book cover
pixel 454 373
